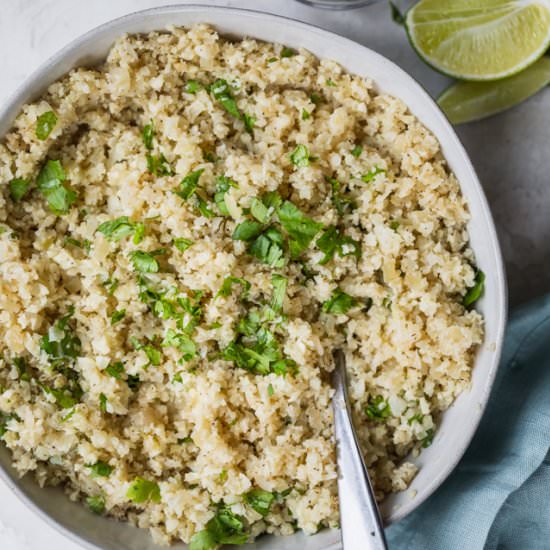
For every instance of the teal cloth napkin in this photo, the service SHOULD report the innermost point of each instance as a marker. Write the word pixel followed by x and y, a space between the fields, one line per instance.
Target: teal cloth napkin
pixel 498 498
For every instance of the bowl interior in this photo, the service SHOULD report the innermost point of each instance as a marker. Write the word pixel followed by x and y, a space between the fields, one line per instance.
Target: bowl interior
pixel 460 421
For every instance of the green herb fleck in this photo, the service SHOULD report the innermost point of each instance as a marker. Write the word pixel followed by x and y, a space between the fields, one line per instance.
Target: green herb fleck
pixel 279 289
pixel 367 178
pixel 332 241
pixel 315 98
pixel 45 123
pixel 249 121
pixel 117 229
pixel 182 244
pixel 158 165
pixel 300 156
pixel 228 283
pixel 192 86
pixel 115 370
pixel 260 500
pixel 474 293
pixel 247 230
pixel 117 316
pixel 96 504
pixel 142 490
pixel 339 303
pixel 394 224
pixel 356 151
pixel 288 52
pixel 300 228
pixel 50 183
pixel 259 210
pixel 225 527
pixel 19 187
pixel 415 418
pixel 222 92
pixel 428 438
pixel 331 83
pixel 147 135
pixel 189 184
pixel 223 184
pixel 102 402
pixel 143 262
pixel 270 390
pixel 100 469
pixel 182 342
pixel 378 408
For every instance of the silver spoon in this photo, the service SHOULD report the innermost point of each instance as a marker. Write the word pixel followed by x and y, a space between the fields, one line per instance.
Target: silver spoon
pixel 360 519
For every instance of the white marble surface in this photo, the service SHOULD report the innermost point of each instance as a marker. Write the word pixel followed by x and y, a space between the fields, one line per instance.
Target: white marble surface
pixel 510 152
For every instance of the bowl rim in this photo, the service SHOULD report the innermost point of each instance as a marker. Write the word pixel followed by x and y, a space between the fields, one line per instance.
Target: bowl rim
pixel 18 97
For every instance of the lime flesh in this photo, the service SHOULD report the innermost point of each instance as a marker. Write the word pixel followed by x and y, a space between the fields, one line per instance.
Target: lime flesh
pixel 480 39
pixel 467 101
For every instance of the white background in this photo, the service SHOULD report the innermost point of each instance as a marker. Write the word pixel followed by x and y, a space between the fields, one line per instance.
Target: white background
pixel 510 151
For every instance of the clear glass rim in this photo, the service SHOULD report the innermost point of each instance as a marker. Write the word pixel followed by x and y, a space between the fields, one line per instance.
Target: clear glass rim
pixel 337 4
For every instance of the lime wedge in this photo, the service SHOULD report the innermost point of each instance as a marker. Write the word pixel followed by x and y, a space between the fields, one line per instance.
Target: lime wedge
pixel 479 39
pixel 467 101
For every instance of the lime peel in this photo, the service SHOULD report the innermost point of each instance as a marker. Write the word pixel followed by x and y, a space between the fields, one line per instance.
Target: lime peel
pixel 468 101
pixel 479 39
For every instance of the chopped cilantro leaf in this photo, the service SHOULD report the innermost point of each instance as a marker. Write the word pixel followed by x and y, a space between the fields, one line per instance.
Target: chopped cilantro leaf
pixel 182 244
pixel 356 151
pixel 182 342
pixel 279 289
pixel 300 156
pixel 331 83
pixel 247 230
pixel 259 500
pixel 367 178
pixel 475 292
pixel 117 316
pixel 96 504
pixel 315 98
pixel 415 418
pixel 249 121
pixel 142 490
pixel 340 202
pixel 192 86
pixel 268 248
pixel 50 183
pixel 228 283
pixel 19 187
pixel 115 370
pixel 428 438
pixel 305 114
pixel 143 262
pixel 288 52
pixel 188 184
pixel 139 232
pixel 100 469
pixel 158 165
pixel 222 92
pixel 223 184
pixel 259 210
pixel 45 123
pixel 147 135
pixel 270 390
pixel 300 228
pixel 117 229
pixel 339 302
pixel 102 402
pixel 332 241
pixel 378 408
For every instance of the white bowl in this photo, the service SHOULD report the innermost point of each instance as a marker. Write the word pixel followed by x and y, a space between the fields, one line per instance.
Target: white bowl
pixel 459 422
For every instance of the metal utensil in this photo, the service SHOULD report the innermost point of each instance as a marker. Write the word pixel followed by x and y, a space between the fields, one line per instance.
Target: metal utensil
pixel 360 519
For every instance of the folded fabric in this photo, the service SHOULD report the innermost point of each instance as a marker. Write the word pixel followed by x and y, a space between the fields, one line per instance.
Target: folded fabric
pixel 498 498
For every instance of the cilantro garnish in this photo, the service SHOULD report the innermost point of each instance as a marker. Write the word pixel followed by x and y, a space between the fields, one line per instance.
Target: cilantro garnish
pixel 228 283
pixel 223 184
pixel 192 86
pixel 367 178
pixel 117 316
pixel 100 469
pixel 45 123
pixel 117 229
pixel 115 370
pixel 356 151
pixel 225 527
pixel 378 408
pixel 96 504
pixel 182 342
pixel 143 262
pixel 300 157
pixel 340 202
pixel 288 52
pixel 19 187
pixel 332 241
pixel 147 134
pixel 474 293
pixel 189 184
pixel 305 114
pixel 50 183
pixel 142 490
pixel 158 165
pixel 300 228
pixel 102 402
pixel 247 230
pixel 339 302
pixel 428 438
pixel 279 289
pixel 182 244
pixel 259 500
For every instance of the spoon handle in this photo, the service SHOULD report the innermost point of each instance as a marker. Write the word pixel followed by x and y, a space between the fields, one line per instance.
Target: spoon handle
pixel 359 515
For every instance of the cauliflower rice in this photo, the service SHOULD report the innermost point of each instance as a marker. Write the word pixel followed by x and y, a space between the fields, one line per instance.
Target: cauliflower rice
pixel 165 355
